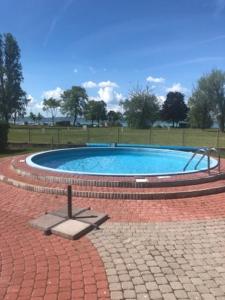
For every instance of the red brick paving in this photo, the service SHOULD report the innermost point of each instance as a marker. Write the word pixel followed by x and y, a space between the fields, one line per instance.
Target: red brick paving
pixel 34 266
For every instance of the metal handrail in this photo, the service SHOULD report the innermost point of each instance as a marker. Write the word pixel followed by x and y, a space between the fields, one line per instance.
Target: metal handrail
pixel 218 154
pixel 198 151
pixel 204 152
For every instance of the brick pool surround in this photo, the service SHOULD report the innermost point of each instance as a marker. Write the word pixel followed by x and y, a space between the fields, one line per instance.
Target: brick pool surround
pixel 36 267
pixel 15 171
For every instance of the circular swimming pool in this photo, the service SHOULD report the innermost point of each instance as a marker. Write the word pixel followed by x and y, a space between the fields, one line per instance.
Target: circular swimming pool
pixel 119 161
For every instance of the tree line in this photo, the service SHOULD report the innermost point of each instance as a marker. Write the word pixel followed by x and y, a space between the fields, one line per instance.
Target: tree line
pixel 141 109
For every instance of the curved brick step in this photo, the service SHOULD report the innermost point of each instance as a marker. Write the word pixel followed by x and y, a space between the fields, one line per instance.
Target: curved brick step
pixel 33 183
pixel 23 169
pixel 115 194
pixel 8 172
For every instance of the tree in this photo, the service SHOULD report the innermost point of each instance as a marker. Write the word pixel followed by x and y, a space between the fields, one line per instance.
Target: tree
pixel 95 111
pixel 200 113
pixel 141 110
pixel 12 96
pixel 51 105
pixel 174 108
pixel 39 117
pixel 33 117
pixel 209 97
pixel 21 111
pixel 73 102
pixel 114 118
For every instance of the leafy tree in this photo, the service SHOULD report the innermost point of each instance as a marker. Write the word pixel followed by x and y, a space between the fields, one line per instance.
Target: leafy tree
pixel 74 102
pixel 174 108
pixel 200 113
pixel 12 96
pixel 114 118
pixel 51 105
pixel 95 111
pixel 141 110
pixel 33 117
pixel 21 111
pixel 209 97
pixel 39 117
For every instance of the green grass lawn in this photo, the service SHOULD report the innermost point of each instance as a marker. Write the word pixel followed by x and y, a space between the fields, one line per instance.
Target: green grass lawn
pixel 161 136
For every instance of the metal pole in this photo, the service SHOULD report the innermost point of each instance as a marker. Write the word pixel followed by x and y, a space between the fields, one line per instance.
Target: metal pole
pixel 218 138
pixel 58 135
pixel 219 162
pixel 183 132
pixel 29 136
pixel 69 201
pixel 208 154
pixel 150 136
pixel 88 135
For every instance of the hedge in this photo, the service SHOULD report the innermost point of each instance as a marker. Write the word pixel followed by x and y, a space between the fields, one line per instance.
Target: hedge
pixel 4 127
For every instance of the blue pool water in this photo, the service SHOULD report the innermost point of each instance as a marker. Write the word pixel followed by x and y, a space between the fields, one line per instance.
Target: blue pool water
pixel 117 161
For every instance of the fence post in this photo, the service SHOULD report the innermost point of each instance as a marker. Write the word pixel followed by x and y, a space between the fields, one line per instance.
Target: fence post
pixel 58 137
pixel 183 135
pixel 150 136
pixel 69 201
pixel 118 135
pixel 88 135
pixel 218 138
pixel 29 136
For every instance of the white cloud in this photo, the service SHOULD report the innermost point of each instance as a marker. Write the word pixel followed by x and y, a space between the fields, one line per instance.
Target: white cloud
pixel 34 105
pixel 161 99
pixel 89 84
pixel 105 84
pixel 155 79
pixel 177 87
pixel 56 93
pixel 106 92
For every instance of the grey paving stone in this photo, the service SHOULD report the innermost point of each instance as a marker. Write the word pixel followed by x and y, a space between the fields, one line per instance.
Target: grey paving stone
pixel 127 285
pixel 155 295
pixel 46 222
pixel 176 285
pixel 143 297
pixel 180 294
pixel 151 286
pixel 129 294
pixel 113 278
pixel 71 229
pixel 169 296
pixel 124 277
pixel 189 257
pixel 165 288
pixel 140 288
pixel 208 297
pixel 116 295
pixel 115 286
pixel 137 280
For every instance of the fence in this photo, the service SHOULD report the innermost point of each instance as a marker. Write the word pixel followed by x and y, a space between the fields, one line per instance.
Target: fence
pixel 161 136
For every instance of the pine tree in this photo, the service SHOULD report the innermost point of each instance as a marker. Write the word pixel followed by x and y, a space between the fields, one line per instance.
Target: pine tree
pixel 12 97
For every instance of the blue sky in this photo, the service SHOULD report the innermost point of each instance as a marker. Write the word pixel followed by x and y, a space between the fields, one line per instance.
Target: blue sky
pixel 110 46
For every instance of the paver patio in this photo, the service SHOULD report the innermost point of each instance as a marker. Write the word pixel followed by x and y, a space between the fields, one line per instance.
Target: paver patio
pixel 158 249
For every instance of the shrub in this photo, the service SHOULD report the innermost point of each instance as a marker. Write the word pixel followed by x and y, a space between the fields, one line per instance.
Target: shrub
pixel 63 123
pixel 4 127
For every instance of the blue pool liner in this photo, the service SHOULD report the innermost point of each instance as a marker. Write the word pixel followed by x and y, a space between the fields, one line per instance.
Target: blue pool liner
pixel 182 148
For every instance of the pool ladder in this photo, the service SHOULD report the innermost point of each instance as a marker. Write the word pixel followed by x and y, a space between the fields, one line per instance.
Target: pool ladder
pixel 205 152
